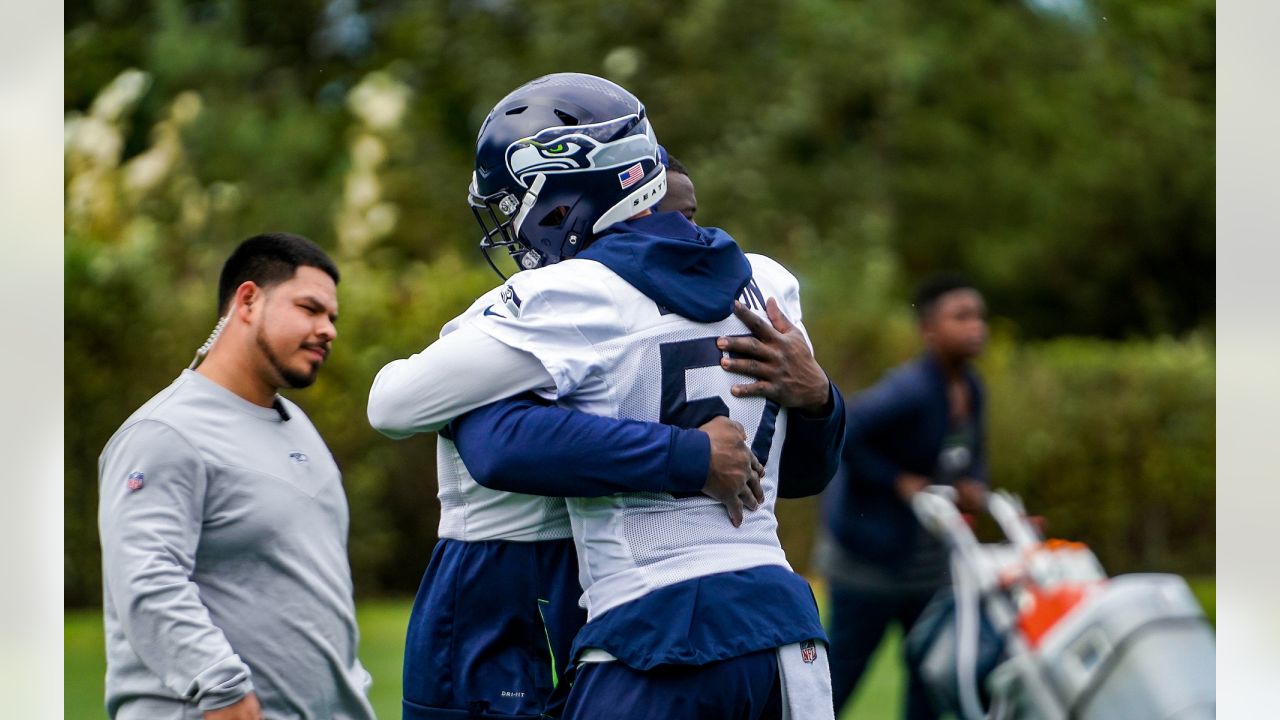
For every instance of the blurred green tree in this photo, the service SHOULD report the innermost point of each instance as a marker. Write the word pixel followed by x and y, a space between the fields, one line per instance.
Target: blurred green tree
pixel 1065 162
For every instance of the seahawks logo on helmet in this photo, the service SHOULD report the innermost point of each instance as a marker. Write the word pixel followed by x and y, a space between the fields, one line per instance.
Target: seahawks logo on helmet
pixel 577 148
pixel 566 153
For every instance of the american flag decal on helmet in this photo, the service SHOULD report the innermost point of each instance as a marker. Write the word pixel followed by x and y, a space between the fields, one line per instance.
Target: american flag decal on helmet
pixel 631 175
pixel 808 652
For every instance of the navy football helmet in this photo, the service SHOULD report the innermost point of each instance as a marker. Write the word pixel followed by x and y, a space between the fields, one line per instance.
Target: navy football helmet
pixel 558 160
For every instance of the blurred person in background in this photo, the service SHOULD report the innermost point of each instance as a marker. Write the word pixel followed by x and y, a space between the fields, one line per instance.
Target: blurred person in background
pixel 227 591
pixel 921 424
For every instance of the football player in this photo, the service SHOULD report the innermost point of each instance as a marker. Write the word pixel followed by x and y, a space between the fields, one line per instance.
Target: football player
pixel 680 196
pixel 627 314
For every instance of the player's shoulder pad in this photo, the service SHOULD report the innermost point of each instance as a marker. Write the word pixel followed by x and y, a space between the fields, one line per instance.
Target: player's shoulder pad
pixel 765 267
pixel 774 280
pixel 570 286
pixel 477 308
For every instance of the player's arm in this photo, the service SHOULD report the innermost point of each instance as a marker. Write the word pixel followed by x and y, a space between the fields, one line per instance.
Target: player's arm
pixel 811 451
pixel 779 355
pixel 461 371
pixel 528 445
pixel 151 508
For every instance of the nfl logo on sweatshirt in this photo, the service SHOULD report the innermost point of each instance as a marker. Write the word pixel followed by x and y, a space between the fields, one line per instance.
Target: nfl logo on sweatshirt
pixel 134 481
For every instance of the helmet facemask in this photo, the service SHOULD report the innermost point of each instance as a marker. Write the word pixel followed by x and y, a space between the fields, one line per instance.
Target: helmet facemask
pixel 496 214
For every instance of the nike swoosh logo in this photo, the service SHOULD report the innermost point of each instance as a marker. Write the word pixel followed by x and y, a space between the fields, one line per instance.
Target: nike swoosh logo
pixel 489 311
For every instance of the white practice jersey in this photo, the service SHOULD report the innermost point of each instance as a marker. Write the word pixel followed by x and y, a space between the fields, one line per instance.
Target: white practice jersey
pixel 612 351
pixel 469 511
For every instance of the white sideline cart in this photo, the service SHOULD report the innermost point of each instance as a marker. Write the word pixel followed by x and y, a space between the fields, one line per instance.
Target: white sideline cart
pixel 1076 644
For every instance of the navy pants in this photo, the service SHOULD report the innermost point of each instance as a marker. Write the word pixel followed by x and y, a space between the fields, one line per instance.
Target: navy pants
pixel 858 621
pixel 741 688
pixel 491 630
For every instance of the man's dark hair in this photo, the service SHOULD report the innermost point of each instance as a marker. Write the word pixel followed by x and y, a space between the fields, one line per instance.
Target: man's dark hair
pixel 674 165
pixel 934 287
pixel 268 259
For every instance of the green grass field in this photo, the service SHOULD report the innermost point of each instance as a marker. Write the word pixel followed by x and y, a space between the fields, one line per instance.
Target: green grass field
pixel 382 624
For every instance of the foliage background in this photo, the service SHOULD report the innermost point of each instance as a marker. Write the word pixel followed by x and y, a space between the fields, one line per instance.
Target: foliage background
pixel 1059 152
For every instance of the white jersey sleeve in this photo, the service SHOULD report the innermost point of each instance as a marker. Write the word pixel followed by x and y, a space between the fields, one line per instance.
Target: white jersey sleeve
pixel 463 370
pixel 558 314
pixel 473 310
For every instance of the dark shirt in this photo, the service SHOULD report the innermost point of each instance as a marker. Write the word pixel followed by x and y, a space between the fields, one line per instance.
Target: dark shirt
pixel 901 424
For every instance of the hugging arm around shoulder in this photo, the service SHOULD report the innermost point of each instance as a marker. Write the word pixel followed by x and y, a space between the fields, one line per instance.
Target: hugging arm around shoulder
pixel 517 441
pixel 528 445
pixel 457 373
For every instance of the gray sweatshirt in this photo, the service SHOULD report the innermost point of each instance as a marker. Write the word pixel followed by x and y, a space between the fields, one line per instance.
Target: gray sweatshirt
pixel 224 559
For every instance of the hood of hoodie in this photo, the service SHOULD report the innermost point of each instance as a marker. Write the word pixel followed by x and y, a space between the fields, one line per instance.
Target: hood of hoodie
pixel 693 271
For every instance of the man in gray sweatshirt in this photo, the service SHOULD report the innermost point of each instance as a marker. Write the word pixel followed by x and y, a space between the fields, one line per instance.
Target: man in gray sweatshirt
pixel 227 591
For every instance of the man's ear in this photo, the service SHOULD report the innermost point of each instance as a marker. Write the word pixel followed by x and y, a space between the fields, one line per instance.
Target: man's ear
pixel 248 298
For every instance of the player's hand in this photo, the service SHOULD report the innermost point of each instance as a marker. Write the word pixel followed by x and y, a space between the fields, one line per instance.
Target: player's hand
pixel 971 496
pixel 246 709
pixel 778 356
pixel 908 484
pixel 734 476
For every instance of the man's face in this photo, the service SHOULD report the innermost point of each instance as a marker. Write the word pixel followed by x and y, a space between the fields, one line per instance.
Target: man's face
pixel 679 197
pixel 957 326
pixel 296 326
